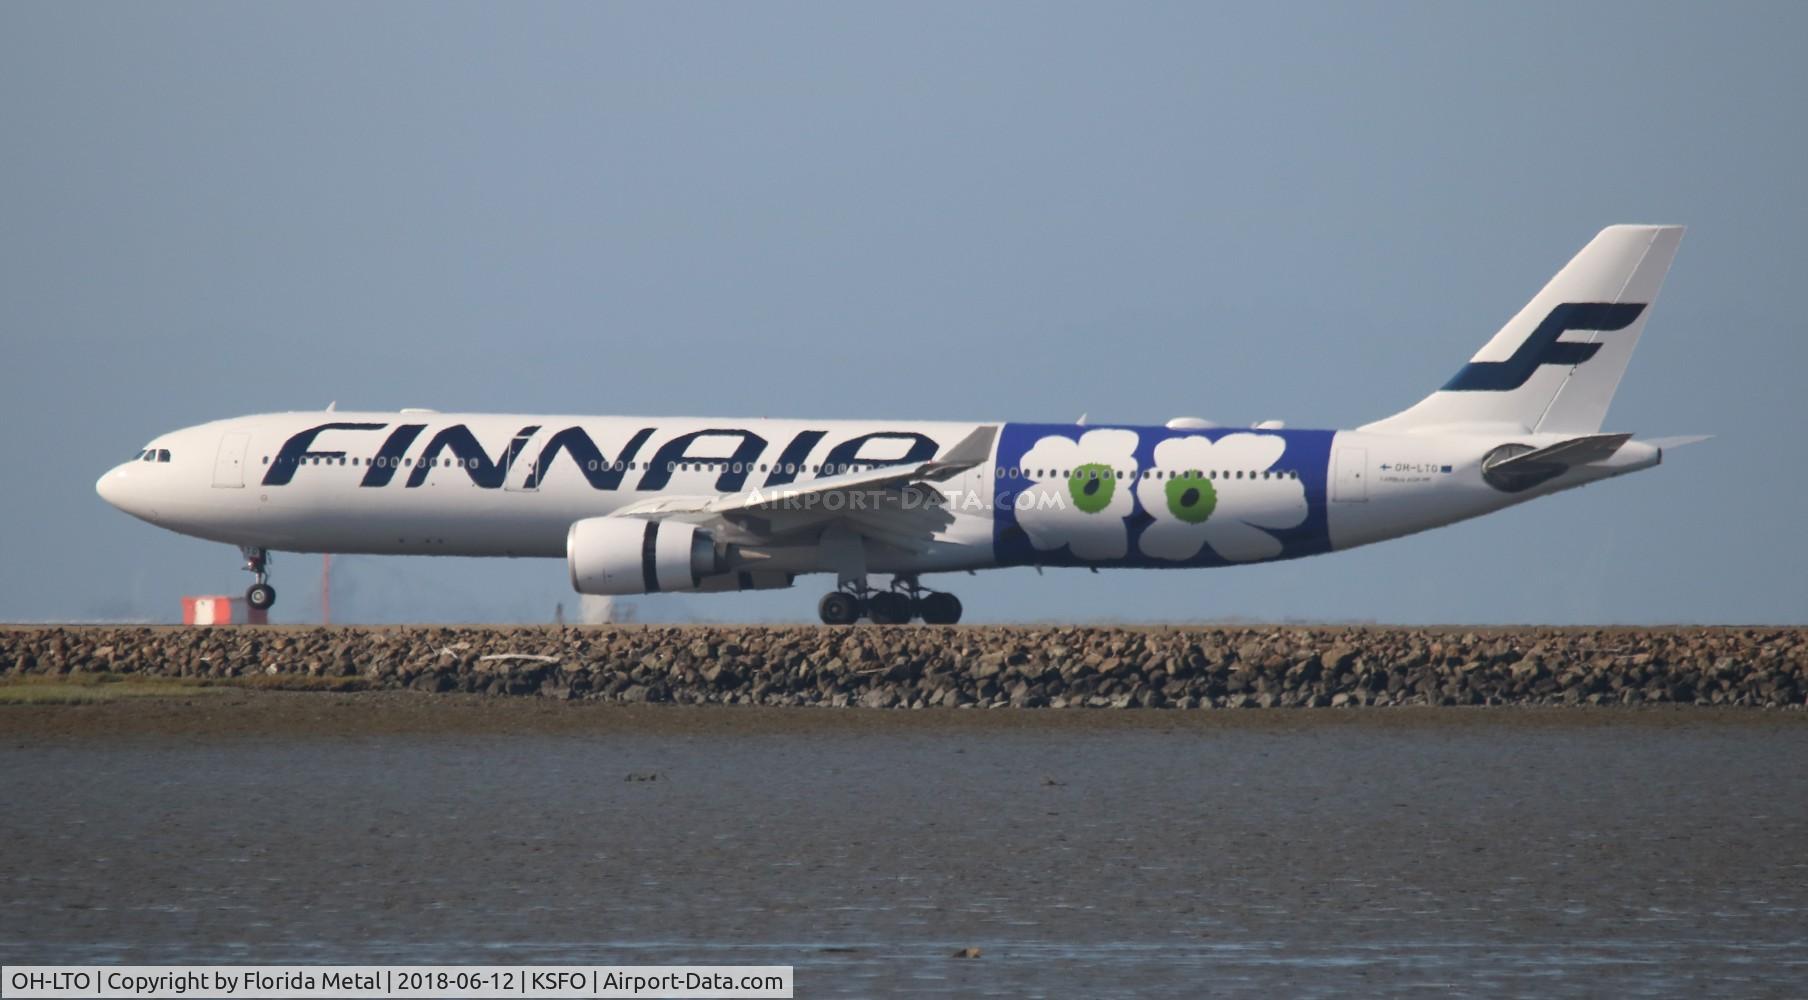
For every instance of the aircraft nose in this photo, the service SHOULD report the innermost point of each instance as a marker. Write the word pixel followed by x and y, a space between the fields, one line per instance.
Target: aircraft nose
pixel 114 487
pixel 104 486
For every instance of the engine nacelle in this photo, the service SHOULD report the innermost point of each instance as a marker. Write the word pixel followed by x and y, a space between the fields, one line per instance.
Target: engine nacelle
pixel 629 555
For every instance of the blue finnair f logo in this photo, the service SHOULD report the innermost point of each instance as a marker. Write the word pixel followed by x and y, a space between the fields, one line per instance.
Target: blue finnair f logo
pixel 1543 347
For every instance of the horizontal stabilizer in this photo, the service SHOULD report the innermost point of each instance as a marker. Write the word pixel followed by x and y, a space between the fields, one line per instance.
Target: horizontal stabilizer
pixel 1679 441
pixel 1569 454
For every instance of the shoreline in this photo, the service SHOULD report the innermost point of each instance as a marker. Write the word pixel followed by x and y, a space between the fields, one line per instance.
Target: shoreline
pixel 239 713
pixel 931 667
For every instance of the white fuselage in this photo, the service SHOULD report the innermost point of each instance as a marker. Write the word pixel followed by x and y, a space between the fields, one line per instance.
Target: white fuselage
pixel 425 483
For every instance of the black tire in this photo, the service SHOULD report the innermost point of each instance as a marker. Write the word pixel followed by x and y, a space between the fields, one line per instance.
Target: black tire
pixel 838 608
pixel 261 596
pixel 888 608
pixel 940 608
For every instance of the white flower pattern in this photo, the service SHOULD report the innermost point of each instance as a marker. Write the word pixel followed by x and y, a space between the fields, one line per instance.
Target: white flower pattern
pixel 1078 496
pixel 1233 513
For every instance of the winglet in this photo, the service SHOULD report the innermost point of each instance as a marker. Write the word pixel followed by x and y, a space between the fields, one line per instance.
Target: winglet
pixel 964 454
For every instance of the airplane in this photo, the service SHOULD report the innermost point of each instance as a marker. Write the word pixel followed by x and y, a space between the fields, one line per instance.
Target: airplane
pixel 662 504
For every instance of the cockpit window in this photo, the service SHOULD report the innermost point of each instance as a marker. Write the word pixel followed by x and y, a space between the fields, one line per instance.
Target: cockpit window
pixel 147 456
pixel 163 454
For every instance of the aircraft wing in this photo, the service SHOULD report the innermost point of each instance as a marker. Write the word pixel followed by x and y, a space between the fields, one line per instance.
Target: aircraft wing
pixel 876 503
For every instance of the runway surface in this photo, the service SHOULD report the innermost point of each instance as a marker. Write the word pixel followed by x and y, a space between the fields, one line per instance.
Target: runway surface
pixel 1628 852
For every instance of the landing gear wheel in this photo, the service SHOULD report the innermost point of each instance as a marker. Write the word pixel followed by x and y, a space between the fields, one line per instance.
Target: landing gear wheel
pixel 839 608
pixel 939 608
pixel 889 608
pixel 261 595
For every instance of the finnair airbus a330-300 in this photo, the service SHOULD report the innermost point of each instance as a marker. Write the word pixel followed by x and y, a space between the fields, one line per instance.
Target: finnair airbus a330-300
pixel 645 505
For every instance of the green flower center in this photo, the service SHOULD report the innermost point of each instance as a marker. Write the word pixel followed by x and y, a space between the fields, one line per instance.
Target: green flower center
pixel 1191 498
pixel 1091 487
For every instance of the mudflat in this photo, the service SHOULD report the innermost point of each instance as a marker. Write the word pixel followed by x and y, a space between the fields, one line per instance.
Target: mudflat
pixel 1648 851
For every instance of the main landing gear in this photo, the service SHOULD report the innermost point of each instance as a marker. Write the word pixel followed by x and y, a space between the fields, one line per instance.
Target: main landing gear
pixel 261 595
pixel 905 600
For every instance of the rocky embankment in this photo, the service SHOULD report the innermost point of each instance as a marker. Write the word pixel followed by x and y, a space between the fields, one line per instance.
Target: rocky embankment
pixel 1034 667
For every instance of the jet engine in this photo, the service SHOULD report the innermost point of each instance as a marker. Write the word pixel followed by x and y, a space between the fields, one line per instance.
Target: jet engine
pixel 629 555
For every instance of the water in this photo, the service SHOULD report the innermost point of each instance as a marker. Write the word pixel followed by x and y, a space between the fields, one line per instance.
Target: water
pixel 1458 852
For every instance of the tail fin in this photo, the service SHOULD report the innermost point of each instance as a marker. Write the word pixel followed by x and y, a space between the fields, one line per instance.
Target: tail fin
pixel 1553 368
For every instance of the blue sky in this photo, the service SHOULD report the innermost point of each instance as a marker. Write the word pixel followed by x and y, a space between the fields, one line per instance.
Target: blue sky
pixel 1312 212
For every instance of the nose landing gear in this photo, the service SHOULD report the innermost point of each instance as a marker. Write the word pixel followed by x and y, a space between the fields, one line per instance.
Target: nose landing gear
pixel 260 595
pixel 907 599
